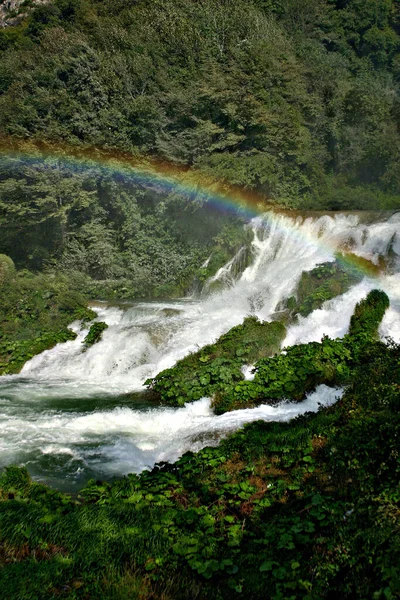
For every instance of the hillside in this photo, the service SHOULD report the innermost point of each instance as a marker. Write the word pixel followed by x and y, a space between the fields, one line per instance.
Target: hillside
pixel 296 99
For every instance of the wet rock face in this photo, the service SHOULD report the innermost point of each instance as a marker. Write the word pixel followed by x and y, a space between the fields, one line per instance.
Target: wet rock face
pixel 13 11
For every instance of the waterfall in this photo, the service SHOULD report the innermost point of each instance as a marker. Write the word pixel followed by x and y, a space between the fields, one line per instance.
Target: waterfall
pixel 70 414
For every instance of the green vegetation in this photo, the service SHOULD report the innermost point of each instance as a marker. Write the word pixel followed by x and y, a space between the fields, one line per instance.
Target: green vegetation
pixel 299 369
pixel 367 316
pixel 306 509
pixel 295 100
pixel 298 100
pixel 95 333
pixel 35 311
pixel 112 234
pixel 7 269
pixel 216 370
pixel 324 282
pixel 217 366
pixel 292 374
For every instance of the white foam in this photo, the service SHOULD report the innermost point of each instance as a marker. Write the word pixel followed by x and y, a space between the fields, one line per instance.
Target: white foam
pixel 124 440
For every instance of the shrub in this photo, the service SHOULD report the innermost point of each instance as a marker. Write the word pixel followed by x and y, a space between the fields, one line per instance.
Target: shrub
pixel 218 365
pixel 95 333
pixel 7 268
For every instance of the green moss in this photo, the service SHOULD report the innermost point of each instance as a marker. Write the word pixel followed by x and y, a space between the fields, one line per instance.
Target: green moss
pixel 218 365
pixel 289 375
pixel 299 369
pixel 368 315
pixel 216 369
pixel 324 282
pixel 7 269
pixel 14 354
pixel 328 280
pixel 95 333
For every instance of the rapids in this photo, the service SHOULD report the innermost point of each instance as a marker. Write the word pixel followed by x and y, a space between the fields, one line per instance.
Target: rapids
pixel 71 415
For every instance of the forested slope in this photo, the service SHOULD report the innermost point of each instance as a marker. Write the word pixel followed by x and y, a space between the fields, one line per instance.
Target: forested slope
pixel 298 99
pixel 295 100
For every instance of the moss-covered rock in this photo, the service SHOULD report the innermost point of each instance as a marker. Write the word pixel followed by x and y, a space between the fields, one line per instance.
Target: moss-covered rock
pixel 299 369
pixel 95 333
pixel 290 375
pixel 324 282
pixel 218 365
pixel 35 311
pixel 216 369
pixel 368 315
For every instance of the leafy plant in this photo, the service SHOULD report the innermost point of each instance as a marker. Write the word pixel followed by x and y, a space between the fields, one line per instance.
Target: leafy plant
pixel 299 369
pixel 219 365
pixel 95 333
pixel 303 509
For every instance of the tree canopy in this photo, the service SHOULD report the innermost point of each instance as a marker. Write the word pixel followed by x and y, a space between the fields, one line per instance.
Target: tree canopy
pixel 298 99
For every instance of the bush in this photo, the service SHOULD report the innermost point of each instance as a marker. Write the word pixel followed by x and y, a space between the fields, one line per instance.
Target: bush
pixel 368 315
pixel 95 333
pixel 7 269
pixel 299 369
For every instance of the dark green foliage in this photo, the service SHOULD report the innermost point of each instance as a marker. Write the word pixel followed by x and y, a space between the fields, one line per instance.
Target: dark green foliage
pixel 299 369
pixel 291 374
pixel 216 370
pixel 116 236
pixel 35 311
pixel 306 509
pixel 323 283
pixel 95 333
pixel 15 353
pixel 7 269
pixel 296 99
pixel 368 314
pixel 218 366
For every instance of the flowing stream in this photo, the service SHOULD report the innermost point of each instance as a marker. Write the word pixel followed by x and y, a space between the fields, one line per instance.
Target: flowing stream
pixel 71 415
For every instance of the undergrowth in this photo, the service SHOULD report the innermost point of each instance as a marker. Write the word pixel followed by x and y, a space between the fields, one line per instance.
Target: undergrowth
pixel 217 370
pixel 95 333
pixel 219 365
pixel 307 509
pixel 35 311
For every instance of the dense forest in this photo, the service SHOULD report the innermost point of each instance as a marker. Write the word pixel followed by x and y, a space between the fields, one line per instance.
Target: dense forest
pixel 295 99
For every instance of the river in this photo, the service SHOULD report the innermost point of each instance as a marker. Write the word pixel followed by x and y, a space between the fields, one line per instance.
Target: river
pixel 71 415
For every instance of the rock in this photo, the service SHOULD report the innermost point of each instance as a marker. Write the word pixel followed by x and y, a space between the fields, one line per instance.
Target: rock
pixel 13 11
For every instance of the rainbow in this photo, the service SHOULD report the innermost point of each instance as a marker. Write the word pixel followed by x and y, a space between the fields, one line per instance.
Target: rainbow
pixel 196 186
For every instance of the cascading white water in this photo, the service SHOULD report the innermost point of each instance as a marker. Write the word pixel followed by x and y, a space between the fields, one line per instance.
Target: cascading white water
pixel 69 413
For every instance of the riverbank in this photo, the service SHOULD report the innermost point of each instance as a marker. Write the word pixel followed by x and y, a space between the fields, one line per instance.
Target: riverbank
pixel 307 509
